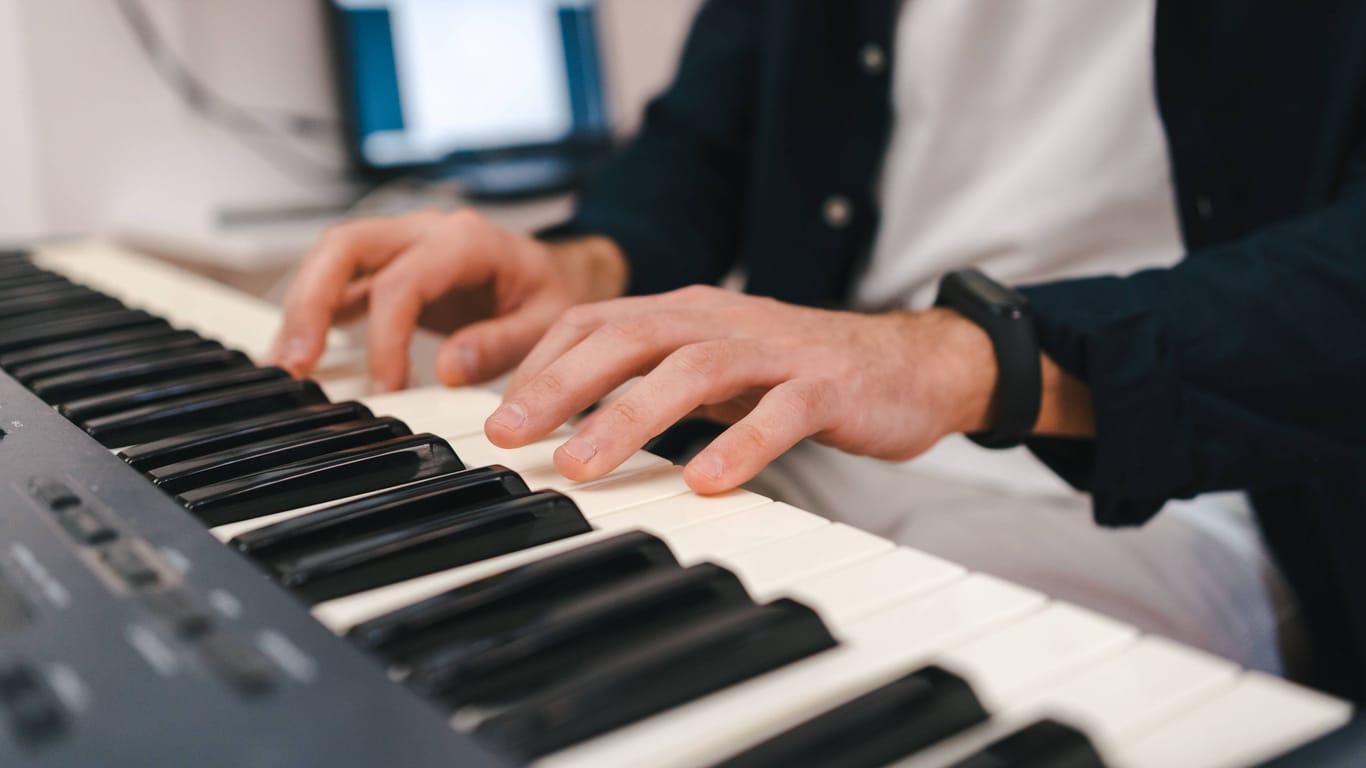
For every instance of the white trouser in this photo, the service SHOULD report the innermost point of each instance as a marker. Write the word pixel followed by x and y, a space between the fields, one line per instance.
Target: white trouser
pixel 1197 573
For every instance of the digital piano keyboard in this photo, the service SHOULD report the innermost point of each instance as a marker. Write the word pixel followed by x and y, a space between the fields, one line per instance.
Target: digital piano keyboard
pixel 204 562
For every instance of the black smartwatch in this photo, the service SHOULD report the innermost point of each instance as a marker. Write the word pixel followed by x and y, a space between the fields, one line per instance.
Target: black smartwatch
pixel 1005 315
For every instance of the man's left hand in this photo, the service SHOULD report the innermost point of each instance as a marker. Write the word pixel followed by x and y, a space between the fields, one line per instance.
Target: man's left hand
pixel 888 385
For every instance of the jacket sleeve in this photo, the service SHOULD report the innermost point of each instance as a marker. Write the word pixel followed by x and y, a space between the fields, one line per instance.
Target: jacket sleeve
pixel 1243 367
pixel 673 198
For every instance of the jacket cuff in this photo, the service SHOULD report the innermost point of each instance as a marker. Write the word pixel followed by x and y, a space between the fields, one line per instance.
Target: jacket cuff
pixel 1105 332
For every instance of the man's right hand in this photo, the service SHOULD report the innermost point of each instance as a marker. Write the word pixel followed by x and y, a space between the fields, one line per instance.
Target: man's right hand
pixel 498 292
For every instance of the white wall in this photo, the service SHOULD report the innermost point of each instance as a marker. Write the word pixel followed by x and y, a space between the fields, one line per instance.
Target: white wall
pixel 20 204
pixel 100 141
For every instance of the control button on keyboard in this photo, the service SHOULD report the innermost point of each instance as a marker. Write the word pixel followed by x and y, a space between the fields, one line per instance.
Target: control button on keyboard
pixel 87 525
pixel 313 481
pixel 202 442
pixel 348 520
pixel 497 603
pixel 53 494
pixel 176 609
pixel 237 664
pixel 34 713
pixel 187 414
pixel 408 551
pixel 130 565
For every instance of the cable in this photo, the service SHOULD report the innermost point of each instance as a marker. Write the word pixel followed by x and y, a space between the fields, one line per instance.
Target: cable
pixel 251 128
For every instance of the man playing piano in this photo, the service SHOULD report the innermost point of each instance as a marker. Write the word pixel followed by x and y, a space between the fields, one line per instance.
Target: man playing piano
pixel 1182 184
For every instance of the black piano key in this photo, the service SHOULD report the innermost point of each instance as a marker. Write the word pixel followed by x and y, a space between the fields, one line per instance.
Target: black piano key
pixel 464 536
pixel 203 442
pixel 174 343
pixel 55 305
pixel 27 274
pixel 314 481
pixel 698 659
pixel 68 313
pixel 85 344
pixel 33 290
pixel 39 333
pixel 85 409
pixel 598 624
pixel 274 452
pixel 151 370
pixel 422 500
pixel 878 728
pixel 1044 744
pixel 43 291
pixel 185 415
pixel 512 598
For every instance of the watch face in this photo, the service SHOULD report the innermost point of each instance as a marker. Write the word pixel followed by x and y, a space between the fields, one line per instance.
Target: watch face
pixel 996 296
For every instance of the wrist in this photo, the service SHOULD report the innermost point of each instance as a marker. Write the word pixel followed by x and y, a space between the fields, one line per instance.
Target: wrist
pixel 590 268
pixel 964 366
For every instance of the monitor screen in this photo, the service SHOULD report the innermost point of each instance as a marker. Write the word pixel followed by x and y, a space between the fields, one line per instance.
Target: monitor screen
pixel 432 81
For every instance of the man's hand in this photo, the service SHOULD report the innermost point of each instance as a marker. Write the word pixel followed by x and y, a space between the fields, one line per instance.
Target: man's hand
pixel 888 386
pixel 454 272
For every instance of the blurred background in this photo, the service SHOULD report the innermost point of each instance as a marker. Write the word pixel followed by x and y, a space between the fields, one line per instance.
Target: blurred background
pixel 225 134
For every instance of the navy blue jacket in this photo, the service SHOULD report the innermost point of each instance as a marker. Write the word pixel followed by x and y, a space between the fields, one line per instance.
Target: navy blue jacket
pixel 1244 367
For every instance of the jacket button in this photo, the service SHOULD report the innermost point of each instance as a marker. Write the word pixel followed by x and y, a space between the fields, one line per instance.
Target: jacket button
pixel 873 58
pixel 837 211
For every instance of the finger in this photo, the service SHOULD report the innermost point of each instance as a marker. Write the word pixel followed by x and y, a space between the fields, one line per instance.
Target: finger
pixel 486 350
pixel 697 374
pixel 608 357
pixel 790 412
pixel 355 301
pixel 319 287
pixel 575 325
pixel 433 267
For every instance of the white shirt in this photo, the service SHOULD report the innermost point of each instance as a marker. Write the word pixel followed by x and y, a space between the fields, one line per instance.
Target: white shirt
pixel 1026 143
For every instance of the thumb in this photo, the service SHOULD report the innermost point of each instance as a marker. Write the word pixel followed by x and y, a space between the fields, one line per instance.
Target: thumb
pixel 490 348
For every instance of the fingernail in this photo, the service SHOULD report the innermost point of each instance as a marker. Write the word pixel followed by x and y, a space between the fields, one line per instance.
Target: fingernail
pixel 709 466
pixel 510 416
pixel 468 358
pixel 580 449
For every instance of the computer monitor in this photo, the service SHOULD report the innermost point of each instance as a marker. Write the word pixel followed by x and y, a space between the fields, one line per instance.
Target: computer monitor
pixel 430 85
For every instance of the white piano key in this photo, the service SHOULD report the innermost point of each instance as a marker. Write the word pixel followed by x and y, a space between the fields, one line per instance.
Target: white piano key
pixel 536 462
pixel 184 299
pixel 621 491
pixel 869 585
pixel 1257 719
pixel 659 517
pixel 768 569
pixel 1150 682
pixel 892 644
pixel 449 413
pixel 1005 666
pixel 679 512
pixel 741 531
